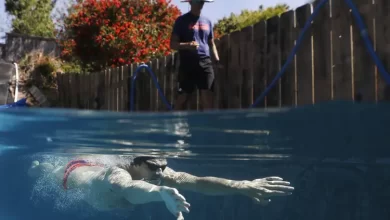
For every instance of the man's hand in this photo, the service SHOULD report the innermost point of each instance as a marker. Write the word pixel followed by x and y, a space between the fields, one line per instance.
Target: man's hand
pixel 218 64
pixel 261 190
pixel 193 45
pixel 175 202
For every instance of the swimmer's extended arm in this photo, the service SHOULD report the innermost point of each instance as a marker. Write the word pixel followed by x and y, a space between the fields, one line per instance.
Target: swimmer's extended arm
pixel 260 190
pixel 206 185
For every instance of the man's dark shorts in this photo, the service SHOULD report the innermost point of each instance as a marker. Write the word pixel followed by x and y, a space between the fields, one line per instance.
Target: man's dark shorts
pixel 195 74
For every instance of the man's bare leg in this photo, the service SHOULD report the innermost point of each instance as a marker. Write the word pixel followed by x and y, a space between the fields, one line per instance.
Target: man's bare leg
pixel 182 101
pixel 207 99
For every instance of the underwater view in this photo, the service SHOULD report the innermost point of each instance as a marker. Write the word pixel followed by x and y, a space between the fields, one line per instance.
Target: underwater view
pixel 322 162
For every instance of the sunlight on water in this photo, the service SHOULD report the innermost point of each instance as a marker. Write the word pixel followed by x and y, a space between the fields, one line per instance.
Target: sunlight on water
pixel 186 135
pixel 260 134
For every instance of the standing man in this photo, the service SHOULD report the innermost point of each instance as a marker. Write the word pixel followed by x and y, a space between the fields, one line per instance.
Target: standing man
pixel 193 37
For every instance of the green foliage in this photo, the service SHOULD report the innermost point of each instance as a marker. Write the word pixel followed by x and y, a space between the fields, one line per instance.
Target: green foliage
pixel 75 66
pixel 31 17
pixel 246 18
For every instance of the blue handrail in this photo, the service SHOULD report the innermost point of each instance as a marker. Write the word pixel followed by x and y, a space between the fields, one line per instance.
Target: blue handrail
pixel 20 103
pixel 154 78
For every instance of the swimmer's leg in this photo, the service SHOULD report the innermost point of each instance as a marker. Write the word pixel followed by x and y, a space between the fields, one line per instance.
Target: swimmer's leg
pixel 79 178
pixel 39 169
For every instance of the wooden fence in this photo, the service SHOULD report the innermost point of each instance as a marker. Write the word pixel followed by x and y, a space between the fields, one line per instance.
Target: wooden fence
pixel 332 63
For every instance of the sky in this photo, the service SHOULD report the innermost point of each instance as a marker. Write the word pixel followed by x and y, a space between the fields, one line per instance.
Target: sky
pixel 214 11
pixel 220 8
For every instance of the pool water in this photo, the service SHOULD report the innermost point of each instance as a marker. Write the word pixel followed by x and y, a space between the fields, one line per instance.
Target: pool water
pixel 336 155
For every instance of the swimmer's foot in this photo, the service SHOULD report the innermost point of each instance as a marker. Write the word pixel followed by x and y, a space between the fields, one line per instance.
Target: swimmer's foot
pixel 32 171
pixel 38 169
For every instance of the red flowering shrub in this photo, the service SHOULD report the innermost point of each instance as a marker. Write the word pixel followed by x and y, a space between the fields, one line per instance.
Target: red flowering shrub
pixel 115 32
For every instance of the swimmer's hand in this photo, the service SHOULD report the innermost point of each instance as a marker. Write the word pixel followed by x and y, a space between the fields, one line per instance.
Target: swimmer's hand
pixel 261 190
pixel 175 202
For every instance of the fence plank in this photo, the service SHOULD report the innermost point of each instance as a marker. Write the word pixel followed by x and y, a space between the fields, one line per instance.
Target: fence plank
pixel 156 97
pixel 93 90
pixel 234 78
pixel 305 78
pixel 60 90
pixel 287 43
pixel 174 75
pixel 81 90
pixel 106 89
pixel 273 61
pixel 122 83
pixel 65 92
pixel 168 78
pixel 70 90
pixel 246 64
pixel 131 75
pixel 120 100
pixel 163 83
pixel 74 88
pixel 259 62
pixel 382 47
pixel 149 89
pixel 85 93
pixel 114 89
pixel 138 96
pixel 152 87
pixel 363 66
pixel 99 99
pixel 79 83
pixel 341 40
pixel 221 74
pixel 118 87
pixel 217 95
pixel 321 29
pixel 126 86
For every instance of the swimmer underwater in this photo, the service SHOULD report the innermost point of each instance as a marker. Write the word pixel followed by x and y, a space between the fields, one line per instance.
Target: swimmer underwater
pixel 146 179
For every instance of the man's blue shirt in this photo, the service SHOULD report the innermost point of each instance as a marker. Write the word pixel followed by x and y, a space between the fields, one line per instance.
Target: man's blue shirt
pixel 189 27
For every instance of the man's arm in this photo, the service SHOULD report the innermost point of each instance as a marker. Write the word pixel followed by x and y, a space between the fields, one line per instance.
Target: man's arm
pixel 214 49
pixel 212 43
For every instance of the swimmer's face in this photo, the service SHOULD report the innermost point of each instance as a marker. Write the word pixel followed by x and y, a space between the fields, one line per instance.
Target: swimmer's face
pixel 151 171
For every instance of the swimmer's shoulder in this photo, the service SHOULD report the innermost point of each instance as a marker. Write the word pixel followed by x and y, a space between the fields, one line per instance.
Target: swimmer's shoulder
pixel 117 170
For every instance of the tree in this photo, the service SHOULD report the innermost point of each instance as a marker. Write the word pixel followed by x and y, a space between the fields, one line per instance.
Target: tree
pixel 31 17
pixel 105 33
pixel 246 18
